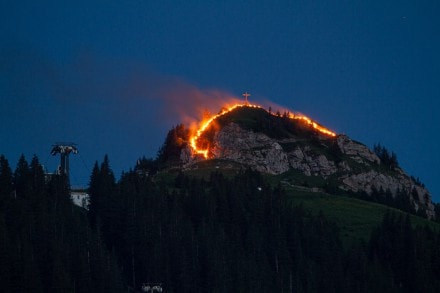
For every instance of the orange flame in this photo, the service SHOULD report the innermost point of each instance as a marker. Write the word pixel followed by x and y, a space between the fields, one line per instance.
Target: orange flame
pixel 207 122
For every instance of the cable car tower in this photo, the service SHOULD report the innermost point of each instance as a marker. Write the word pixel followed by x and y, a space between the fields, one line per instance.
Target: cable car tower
pixel 64 149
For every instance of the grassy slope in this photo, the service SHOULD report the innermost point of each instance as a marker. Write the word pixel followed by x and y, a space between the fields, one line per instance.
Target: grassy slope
pixel 355 218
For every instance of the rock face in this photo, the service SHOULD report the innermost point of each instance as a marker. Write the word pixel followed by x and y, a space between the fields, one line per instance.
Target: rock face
pixel 249 148
pixel 354 166
pixel 303 159
pixel 359 152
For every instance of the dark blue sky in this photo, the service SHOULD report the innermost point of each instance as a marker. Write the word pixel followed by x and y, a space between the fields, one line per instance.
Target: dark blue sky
pixel 114 76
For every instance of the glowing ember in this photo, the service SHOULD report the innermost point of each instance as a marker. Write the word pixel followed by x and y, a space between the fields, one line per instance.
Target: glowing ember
pixel 207 122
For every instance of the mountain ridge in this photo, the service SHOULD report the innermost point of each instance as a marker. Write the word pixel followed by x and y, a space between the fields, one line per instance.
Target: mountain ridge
pixel 274 144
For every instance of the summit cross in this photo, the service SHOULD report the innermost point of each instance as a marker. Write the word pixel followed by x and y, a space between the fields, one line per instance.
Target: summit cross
pixel 246 95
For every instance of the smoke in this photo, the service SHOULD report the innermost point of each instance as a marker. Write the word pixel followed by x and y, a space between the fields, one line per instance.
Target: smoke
pixel 191 103
pixel 121 107
pixel 120 89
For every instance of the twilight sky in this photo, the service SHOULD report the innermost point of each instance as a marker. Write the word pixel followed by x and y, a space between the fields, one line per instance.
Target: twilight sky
pixel 115 76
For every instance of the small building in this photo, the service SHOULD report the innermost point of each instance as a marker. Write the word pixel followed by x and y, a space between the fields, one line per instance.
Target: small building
pixel 80 198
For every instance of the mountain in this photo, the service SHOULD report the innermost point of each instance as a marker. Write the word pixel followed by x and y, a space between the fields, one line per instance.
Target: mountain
pixel 198 219
pixel 276 144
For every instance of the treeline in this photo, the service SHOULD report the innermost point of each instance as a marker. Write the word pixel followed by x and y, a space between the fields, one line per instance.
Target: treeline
pixel 46 243
pixel 389 159
pixel 408 258
pixel 401 200
pixel 219 234
pixel 239 234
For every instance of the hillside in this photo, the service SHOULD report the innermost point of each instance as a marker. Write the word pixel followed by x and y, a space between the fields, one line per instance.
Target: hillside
pixel 218 227
pixel 279 145
pixel 355 218
pixel 274 204
pixel 252 202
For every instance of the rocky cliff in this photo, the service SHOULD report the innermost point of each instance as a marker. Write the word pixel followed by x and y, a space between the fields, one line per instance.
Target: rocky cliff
pixel 351 164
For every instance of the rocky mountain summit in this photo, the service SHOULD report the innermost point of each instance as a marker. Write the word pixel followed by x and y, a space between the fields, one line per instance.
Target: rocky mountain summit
pixel 351 165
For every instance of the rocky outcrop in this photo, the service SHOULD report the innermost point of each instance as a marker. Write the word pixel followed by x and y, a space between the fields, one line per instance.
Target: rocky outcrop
pixel 357 151
pixel 373 180
pixel 254 149
pixel 304 160
pixel 400 182
pixel 353 164
pixel 377 178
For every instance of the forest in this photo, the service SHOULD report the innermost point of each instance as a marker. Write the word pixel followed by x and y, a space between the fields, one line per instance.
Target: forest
pixel 189 234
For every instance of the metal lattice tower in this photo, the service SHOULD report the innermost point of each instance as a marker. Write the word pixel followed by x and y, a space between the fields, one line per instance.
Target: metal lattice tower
pixel 64 149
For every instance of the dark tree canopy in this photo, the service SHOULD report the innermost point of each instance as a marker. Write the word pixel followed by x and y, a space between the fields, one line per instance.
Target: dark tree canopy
pixel 175 141
pixel 46 244
pixel 241 234
pixel 194 234
pixel 389 159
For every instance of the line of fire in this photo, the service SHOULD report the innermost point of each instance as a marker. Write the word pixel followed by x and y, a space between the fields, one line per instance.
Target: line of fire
pixel 205 124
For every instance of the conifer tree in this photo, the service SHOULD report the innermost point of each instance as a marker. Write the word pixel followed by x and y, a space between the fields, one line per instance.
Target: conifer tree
pixel 6 179
pixel 94 195
pixel 22 179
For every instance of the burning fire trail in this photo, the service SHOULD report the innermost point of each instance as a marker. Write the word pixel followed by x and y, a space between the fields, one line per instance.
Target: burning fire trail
pixel 207 122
